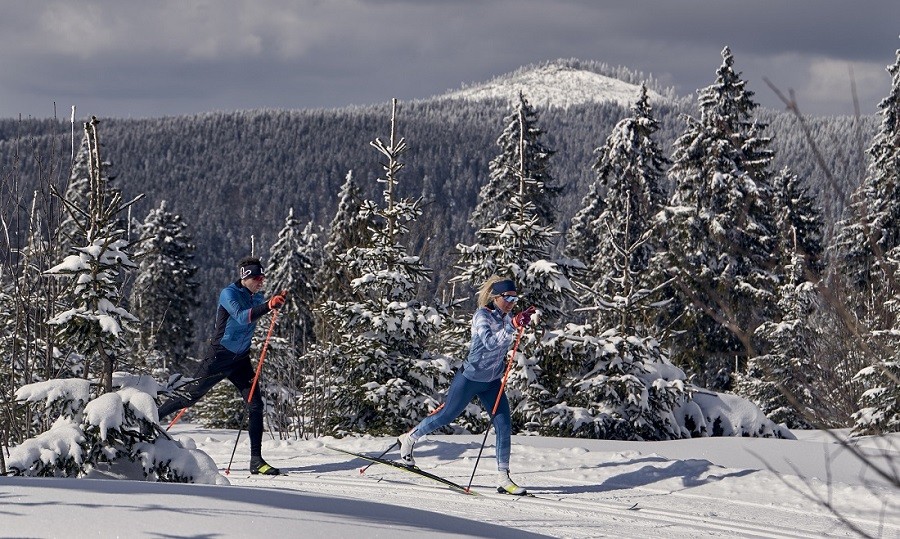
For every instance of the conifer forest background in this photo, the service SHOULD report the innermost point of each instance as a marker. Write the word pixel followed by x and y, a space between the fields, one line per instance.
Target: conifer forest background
pixel 680 246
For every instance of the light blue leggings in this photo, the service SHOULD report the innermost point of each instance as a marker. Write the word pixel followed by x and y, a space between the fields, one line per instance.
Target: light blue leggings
pixel 458 397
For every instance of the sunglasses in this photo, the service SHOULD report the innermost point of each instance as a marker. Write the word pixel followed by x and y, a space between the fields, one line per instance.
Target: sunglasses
pixel 509 299
pixel 258 277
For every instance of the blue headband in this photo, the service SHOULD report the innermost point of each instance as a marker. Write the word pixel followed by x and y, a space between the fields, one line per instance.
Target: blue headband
pixel 503 286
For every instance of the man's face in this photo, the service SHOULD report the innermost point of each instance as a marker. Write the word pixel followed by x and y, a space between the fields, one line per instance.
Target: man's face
pixel 254 284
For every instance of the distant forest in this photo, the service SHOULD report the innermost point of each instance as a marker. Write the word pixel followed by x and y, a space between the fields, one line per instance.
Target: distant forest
pixel 233 176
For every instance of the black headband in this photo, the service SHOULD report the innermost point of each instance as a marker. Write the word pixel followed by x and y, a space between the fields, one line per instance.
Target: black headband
pixel 251 270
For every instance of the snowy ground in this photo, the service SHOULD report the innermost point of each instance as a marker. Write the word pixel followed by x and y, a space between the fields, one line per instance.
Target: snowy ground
pixel 716 487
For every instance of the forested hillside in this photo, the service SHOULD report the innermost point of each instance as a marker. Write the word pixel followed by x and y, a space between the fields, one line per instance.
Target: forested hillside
pixel 234 176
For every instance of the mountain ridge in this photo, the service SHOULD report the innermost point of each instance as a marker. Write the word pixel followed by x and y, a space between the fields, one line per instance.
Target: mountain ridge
pixel 563 84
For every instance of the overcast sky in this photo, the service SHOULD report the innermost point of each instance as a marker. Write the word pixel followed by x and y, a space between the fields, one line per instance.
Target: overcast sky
pixel 147 58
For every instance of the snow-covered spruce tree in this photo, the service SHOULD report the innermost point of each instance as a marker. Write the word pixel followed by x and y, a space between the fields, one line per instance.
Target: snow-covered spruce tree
pixel 869 247
pixel 164 293
pixel 872 229
pixel 386 377
pixel 522 155
pixel 800 226
pixel 294 259
pixel 783 381
pixel 620 385
pixel 348 230
pixel 109 435
pixel 77 194
pixel 879 404
pixel 720 232
pixel 630 171
pixel 518 246
pixel 93 323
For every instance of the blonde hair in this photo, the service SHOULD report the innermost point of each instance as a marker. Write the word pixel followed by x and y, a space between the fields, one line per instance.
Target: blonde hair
pixel 484 293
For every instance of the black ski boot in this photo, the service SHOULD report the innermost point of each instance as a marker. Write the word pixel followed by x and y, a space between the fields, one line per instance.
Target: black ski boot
pixel 260 467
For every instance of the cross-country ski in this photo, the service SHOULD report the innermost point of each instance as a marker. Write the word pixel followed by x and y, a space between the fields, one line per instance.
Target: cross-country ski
pixel 410 469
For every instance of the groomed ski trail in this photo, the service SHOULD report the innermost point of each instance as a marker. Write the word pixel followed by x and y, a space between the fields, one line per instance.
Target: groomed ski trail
pixel 581 493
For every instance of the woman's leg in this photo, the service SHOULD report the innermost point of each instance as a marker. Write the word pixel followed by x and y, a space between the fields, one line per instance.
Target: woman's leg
pixel 460 394
pixel 502 421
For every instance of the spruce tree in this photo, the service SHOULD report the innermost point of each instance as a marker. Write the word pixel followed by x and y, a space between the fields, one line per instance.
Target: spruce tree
pixel 347 230
pixel 782 382
pixel 520 169
pixel 386 375
pixel 322 380
pixel 294 259
pixel 721 231
pixel 869 246
pixel 615 235
pixel 620 384
pixel 165 292
pixel 93 323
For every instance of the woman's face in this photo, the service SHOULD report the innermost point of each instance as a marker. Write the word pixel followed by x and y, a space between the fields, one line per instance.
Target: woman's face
pixel 503 302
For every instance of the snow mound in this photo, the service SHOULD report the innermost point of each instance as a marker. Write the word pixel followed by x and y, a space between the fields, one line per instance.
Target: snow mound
pixel 557 85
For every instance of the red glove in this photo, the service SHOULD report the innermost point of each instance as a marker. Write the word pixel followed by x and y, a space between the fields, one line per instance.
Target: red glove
pixel 522 319
pixel 277 300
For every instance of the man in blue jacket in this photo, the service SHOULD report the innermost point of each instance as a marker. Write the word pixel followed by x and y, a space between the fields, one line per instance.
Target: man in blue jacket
pixel 241 305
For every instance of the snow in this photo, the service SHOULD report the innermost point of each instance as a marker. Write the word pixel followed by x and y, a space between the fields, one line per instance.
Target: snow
pixel 557 86
pixel 73 389
pixel 106 412
pixel 708 487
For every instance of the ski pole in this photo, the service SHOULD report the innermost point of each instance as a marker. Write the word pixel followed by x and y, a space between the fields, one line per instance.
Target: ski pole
pixel 395 444
pixel 262 358
pixel 177 417
pixel 509 363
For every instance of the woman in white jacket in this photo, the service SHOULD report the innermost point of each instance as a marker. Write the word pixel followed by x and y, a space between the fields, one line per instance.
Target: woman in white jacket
pixel 493 330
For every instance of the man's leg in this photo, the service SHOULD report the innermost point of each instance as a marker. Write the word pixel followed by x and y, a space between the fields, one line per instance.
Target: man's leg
pixel 242 378
pixel 210 372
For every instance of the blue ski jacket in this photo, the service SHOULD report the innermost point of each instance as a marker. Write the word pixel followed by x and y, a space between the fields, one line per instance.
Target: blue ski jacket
pixel 492 333
pixel 236 317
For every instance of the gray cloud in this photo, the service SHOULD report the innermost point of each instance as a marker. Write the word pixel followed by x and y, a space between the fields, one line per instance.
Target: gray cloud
pixel 163 57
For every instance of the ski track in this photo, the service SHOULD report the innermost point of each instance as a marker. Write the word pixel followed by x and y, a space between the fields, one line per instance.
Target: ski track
pixel 583 509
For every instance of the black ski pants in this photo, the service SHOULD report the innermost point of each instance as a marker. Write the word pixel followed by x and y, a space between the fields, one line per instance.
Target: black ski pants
pixel 219 364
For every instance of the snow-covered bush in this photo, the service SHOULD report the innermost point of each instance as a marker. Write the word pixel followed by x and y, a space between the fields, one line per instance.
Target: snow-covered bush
pixel 621 387
pixel 113 435
pixel 724 414
pixel 625 388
